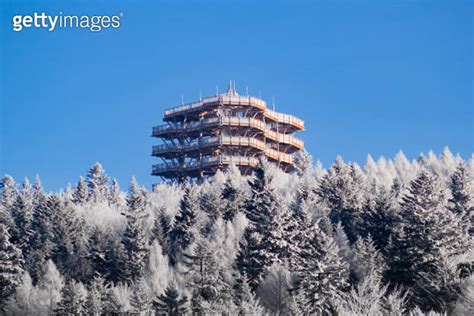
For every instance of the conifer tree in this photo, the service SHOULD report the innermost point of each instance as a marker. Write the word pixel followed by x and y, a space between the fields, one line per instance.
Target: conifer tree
pixel 11 262
pixel 171 302
pixel 51 283
pixel 245 299
pixel 323 276
pixel 184 231
pixel 134 238
pixel 380 216
pixel 97 248
pixel 23 216
pixel 205 276
pixel 116 198
pixel 42 243
pixel 81 192
pixel 8 196
pixel 97 296
pixel 73 299
pixel 367 260
pixel 341 190
pixel 98 183
pixel 461 201
pixel 264 239
pixel 427 236
pixel 140 299
pixel 232 196
pixel 161 231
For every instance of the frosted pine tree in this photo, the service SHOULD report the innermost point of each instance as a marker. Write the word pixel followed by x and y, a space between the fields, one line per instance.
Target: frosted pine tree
pixel 426 239
pixel 367 260
pixel 461 201
pixel 161 230
pixel 8 196
pixel 97 296
pixel 380 216
pixel 116 198
pixel 98 183
pixel 205 277
pixel 245 298
pixel 97 248
pixel 73 299
pixel 323 276
pixel 23 217
pixel 51 285
pixel 11 262
pixel 264 239
pixel 134 238
pixel 184 231
pixel 140 299
pixel 81 192
pixel 171 303
pixel 232 195
pixel 342 192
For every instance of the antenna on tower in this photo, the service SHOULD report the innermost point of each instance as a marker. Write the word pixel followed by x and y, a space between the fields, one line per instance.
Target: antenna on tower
pixel 200 96
pixel 217 90
pixel 247 90
pixel 235 88
pixel 273 103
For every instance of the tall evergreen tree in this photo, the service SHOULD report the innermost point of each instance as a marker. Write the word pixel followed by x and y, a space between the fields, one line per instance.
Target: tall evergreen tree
pixel 73 299
pixel 342 191
pixel 205 277
pixel 323 275
pixel 81 192
pixel 171 302
pixel 460 202
pixel 134 238
pixel 98 183
pixel 11 262
pixel 184 231
pixel 23 216
pixel 264 239
pixel 8 196
pixel 232 196
pixel 97 296
pixel 427 236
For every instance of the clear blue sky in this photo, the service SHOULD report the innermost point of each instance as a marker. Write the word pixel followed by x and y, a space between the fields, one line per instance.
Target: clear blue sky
pixel 368 77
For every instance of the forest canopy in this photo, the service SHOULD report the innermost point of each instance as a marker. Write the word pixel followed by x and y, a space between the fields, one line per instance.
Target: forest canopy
pixel 391 237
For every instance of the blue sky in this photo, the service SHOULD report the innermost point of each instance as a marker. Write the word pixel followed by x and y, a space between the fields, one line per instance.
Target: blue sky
pixel 368 77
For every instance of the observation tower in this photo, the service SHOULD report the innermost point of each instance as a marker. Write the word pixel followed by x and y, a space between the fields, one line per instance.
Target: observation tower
pixel 202 137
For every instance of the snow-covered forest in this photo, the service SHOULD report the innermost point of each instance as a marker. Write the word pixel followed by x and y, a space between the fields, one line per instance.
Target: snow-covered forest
pixel 391 237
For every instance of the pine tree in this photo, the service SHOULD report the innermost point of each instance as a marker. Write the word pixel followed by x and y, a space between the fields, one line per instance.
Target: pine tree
pixel 11 262
pixel 184 231
pixel 116 198
pixel 245 299
pixel 461 201
pixel 380 216
pixel 232 195
pixel 8 196
pixel 264 239
pixel 81 192
pixel 140 299
pixel 51 283
pixel 97 248
pixel 23 216
pixel 341 190
pixel 367 260
pixel 171 303
pixel 161 231
pixel 205 276
pixel 97 182
pixel 97 296
pixel 426 238
pixel 323 274
pixel 134 238
pixel 73 299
